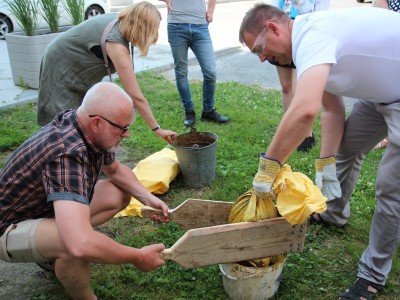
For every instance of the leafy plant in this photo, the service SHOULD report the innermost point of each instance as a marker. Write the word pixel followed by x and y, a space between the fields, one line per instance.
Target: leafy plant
pixel 75 10
pixel 26 13
pixel 50 13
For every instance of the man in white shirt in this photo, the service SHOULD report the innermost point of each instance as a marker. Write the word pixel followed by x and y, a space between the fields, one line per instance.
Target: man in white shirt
pixel 335 57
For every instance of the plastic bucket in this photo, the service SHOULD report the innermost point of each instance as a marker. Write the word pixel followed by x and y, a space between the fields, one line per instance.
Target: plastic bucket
pixel 197 156
pixel 248 283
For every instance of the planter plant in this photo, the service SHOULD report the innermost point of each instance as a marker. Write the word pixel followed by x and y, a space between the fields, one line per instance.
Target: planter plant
pixel 25 49
pixel 50 13
pixel 26 13
pixel 75 10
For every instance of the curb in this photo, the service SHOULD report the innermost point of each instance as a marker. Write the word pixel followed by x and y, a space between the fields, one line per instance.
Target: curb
pixel 22 100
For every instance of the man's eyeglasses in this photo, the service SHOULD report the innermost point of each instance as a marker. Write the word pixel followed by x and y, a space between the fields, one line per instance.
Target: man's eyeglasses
pixel 123 128
pixel 259 44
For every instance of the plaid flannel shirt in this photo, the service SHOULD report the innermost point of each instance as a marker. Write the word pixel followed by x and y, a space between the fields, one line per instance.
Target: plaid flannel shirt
pixel 58 162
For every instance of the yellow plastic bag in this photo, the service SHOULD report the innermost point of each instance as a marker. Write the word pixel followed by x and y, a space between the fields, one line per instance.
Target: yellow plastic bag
pixel 297 196
pixel 155 172
pixel 250 208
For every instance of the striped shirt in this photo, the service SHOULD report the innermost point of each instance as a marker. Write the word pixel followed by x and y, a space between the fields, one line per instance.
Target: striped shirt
pixel 58 162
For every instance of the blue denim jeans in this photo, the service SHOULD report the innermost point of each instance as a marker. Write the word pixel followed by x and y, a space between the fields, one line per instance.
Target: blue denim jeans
pixel 181 37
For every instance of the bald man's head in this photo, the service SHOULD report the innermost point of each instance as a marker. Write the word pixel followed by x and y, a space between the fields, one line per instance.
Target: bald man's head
pixel 106 114
pixel 106 98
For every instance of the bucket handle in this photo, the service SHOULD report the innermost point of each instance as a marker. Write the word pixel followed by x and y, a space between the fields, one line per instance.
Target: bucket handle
pixel 194 147
pixel 235 278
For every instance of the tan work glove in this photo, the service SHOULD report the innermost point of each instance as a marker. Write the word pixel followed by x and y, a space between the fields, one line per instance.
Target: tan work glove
pixel 265 177
pixel 325 177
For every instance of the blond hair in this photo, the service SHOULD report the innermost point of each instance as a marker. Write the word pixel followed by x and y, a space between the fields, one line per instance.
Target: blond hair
pixel 139 24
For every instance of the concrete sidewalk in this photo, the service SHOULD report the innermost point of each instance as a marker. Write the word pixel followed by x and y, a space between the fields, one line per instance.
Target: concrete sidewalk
pixel 234 62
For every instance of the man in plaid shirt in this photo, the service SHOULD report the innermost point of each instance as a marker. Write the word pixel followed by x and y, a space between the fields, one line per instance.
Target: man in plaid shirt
pixel 51 196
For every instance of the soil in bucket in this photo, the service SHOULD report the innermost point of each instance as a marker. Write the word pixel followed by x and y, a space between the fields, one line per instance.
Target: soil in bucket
pixel 197 155
pixel 244 282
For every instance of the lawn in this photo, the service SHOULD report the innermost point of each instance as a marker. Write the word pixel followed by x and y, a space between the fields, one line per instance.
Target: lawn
pixel 328 263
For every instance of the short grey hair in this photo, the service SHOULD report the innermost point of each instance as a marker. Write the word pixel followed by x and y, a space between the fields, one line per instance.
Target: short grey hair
pixel 255 18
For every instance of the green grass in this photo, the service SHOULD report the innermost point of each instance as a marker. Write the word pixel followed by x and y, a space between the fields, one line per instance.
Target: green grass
pixel 16 125
pixel 328 263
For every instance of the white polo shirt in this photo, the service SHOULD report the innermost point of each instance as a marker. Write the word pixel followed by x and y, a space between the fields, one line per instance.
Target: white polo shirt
pixel 361 44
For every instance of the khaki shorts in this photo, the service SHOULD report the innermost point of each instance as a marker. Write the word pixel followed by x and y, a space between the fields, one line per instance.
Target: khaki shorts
pixel 17 244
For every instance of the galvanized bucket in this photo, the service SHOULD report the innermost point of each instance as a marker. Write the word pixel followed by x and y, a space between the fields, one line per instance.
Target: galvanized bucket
pixel 197 156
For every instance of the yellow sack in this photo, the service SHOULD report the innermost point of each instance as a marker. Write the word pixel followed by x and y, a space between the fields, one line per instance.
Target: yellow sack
pixel 297 196
pixel 297 199
pixel 250 208
pixel 155 172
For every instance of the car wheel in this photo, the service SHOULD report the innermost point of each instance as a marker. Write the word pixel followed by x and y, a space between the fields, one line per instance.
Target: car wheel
pixel 5 26
pixel 93 10
pixel 360 1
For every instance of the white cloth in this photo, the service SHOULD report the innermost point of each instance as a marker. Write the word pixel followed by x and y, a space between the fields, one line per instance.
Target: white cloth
pixel 358 57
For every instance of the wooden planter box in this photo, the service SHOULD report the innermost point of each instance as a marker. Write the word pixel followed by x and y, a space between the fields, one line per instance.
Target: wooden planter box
pixel 25 54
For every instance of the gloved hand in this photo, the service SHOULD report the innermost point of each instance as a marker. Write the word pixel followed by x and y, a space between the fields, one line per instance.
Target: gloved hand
pixel 325 177
pixel 267 171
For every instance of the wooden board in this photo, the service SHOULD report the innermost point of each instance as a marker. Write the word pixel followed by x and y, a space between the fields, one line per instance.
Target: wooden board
pixel 195 213
pixel 236 242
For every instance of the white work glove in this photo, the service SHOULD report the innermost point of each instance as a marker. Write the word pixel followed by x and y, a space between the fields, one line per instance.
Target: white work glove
pixel 265 177
pixel 325 177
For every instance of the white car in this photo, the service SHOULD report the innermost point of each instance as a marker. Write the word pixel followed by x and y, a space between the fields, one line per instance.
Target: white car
pixel 8 22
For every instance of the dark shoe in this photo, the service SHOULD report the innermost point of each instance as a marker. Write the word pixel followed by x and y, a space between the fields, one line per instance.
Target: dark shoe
pixel 190 118
pixel 361 289
pixel 307 144
pixel 213 116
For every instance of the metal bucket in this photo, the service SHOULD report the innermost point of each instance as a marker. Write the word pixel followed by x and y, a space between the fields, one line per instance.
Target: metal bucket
pixel 248 283
pixel 197 156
